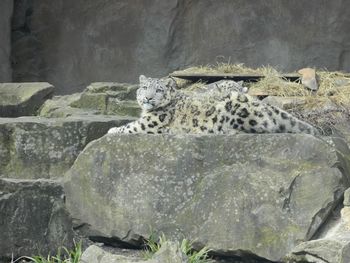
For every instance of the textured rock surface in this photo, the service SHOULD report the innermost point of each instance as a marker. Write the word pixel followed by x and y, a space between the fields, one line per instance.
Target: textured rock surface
pixel 23 99
pixel 236 194
pixel 6 7
pixel 32 147
pixel 73 43
pixel 347 197
pixel 95 254
pixel 343 128
pixel 59 107
pixel 285 103
pixel 33 219
pixel 309 78
pixel 332 246
pixel 321 251
pixel 169 253
pixel 108 98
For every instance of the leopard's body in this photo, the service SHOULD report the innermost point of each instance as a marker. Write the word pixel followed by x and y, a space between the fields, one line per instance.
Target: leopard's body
pixel 166 110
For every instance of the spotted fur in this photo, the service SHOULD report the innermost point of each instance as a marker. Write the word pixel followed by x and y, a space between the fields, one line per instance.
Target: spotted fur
pixel 166 110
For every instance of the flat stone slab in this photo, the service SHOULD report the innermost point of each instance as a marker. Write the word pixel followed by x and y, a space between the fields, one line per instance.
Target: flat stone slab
pixel 35 147
pixel 23 99
pixel 33 218
pixel 238 194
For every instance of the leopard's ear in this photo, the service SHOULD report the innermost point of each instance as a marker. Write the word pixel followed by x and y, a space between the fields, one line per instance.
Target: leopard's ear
pixel 142 78
pixel 170 83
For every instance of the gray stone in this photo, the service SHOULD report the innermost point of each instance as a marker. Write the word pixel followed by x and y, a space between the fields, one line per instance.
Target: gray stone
pixel 110 98
pixel 321 251
pixel 107 98
pixel 237 194
pixel 33 219
pixel 122 91
pixel 331 246
pixel 23 99
pixel 32 147
pixel 95 254
pixel 169 253
pixel 347 197
pixel 345 220
pixel 309 78
pixel 59 107
pixel 341 82
pixel 71 46
pixel 218 88
pixel 342 127
pixel 285 103
pixel 6 7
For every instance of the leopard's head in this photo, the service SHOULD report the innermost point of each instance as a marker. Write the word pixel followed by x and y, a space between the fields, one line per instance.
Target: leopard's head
pixel 154 93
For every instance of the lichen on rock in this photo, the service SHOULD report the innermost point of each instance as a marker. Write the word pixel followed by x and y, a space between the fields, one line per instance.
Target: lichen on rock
pixel 256 193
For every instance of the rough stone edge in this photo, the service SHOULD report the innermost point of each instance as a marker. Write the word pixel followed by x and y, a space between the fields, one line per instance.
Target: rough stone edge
pixel 25 108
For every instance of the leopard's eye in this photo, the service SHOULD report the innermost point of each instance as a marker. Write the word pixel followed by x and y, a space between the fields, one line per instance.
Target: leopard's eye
pixel 144 87
pixel 158 90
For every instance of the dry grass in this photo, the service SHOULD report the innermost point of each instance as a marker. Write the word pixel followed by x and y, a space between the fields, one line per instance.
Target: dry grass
pixel 333 86
pixel 225 68
pixel 189 85
pixel 329 104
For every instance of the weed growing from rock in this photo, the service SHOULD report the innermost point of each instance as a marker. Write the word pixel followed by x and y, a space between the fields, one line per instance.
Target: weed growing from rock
pixel 153 245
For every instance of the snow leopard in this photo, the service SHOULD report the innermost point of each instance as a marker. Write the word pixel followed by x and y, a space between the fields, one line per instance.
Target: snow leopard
pixel 165 109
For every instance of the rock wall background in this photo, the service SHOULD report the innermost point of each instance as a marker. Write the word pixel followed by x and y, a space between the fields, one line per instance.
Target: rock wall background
pixel 5 40
pixel 73 43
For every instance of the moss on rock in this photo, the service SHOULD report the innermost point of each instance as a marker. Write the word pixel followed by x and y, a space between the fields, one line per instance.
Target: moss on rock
pixel 257 193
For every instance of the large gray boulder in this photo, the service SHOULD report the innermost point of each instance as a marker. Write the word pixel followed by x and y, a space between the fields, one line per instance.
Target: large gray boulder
pixel 239 195
pixel 33 218
pixel 23 99
pixel 32 147
pixel 6 7
pixel 71 46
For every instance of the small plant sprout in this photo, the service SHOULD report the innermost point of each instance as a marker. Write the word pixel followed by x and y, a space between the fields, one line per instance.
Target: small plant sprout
pixel 153 245
pixel 68 256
